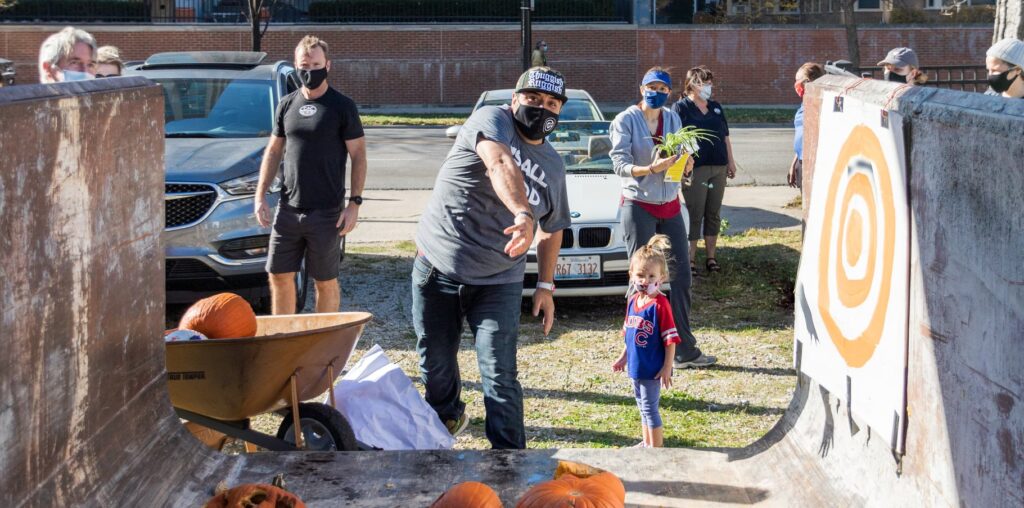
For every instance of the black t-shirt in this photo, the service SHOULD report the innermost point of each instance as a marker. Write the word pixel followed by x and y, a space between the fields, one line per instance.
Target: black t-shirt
pixel 709 153
pixel 315 151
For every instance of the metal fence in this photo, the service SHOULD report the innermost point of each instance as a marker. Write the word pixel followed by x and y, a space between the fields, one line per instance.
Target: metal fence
pixel 969 78
pixel 316 11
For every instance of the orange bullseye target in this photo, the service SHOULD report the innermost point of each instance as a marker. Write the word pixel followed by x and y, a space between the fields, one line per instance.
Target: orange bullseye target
pixel 855 259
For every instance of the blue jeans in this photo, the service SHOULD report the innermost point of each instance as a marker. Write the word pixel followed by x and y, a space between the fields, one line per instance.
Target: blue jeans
pixel 639 226
pixel 439 305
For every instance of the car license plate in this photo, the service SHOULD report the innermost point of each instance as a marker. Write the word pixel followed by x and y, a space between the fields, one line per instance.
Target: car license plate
pixel 578 268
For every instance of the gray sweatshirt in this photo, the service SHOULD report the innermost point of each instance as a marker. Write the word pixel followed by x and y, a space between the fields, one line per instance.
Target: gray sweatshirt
pixel 632 145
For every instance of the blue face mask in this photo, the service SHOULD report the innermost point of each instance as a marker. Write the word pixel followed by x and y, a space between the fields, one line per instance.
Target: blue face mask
pixel 655 100
pixel 76 75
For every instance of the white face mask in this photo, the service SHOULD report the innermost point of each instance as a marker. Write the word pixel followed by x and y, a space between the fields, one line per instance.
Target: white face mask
pixel 705 92
pixel 75 75
pixel 650 289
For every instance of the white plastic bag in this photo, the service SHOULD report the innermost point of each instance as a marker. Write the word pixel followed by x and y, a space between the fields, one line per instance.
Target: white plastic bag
pixel 385 409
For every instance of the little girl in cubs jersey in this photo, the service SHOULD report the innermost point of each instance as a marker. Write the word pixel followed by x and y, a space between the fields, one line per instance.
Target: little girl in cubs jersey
pixel 650 335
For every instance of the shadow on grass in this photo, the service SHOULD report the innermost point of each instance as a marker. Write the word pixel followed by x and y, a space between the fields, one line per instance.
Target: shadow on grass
pixel 753 370
pixel 671 401
pixel 754 288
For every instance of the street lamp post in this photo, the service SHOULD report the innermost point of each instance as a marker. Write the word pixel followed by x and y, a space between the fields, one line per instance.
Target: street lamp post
pixel 527 32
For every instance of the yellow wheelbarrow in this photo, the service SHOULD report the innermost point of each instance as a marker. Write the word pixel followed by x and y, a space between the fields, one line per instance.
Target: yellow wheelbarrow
pixel 222 383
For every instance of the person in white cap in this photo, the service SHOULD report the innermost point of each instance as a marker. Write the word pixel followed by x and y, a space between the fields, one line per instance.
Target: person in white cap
pixel 1004 61
pixel 901 66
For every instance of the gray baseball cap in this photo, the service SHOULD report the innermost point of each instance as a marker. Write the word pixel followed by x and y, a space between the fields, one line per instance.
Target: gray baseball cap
pixel 900 57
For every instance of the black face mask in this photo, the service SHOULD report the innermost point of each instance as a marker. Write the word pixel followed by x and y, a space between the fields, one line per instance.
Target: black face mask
pixel 534 122
pixel 313 78
pixel 892 76
pixel 1000 83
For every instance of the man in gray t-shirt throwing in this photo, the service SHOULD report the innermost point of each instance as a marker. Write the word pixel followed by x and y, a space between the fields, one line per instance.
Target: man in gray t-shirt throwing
pixel 500 181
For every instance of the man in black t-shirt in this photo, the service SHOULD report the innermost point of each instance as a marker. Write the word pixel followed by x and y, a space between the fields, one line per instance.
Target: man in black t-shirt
pixel 320 128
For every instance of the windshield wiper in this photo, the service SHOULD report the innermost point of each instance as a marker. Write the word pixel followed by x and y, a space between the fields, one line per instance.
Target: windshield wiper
pixel 189 135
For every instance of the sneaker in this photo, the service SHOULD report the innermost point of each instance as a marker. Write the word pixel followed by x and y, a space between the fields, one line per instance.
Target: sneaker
pixel 701 361
pixel 455 427
pixel 639 445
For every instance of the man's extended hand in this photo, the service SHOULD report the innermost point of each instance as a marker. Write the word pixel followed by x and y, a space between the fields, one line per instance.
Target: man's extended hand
pixel 522 236
pixel 348 219
pixel 544 301
pixel 262 213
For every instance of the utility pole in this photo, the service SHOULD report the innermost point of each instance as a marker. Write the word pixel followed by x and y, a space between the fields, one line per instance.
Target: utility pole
pixel 525 8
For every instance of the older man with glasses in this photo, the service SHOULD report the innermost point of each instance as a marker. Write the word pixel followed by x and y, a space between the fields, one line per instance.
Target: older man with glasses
pixel 68 55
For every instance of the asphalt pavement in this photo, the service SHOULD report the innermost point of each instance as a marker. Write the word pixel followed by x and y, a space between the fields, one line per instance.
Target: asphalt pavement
pixel 392 215
pixel 407 158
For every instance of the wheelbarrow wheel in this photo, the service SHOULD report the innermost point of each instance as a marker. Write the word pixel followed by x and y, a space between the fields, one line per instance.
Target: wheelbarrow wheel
pixel 323 428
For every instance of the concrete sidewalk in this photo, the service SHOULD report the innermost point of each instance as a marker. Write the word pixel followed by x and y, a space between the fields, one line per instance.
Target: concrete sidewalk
pixel 392 215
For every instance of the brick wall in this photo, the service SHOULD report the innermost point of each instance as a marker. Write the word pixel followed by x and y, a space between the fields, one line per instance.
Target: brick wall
pixel 450 66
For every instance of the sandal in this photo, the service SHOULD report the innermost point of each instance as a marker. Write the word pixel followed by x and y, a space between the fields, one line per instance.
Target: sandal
pixel 712 265
pixel 693 269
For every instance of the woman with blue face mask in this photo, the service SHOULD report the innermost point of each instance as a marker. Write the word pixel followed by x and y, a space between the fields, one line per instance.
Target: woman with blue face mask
pixel 714 163
pixel 649 204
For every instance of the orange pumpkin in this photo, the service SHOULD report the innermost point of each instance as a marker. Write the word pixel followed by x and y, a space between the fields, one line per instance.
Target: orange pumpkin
pixel 255 495
pixel 221 316
pixel 603 490
pixel 468 495
pixel 576 469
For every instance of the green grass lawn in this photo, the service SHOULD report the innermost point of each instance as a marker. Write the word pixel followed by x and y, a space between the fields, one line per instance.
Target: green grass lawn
pixel 743 315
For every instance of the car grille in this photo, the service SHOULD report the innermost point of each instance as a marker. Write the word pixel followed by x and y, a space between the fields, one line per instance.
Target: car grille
pixel 188 269
pixel 185 204
pixel 607 279
pixel 595 237
pixel 566 238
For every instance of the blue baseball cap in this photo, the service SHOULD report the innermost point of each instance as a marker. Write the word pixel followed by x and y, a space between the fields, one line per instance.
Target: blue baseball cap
pixel 653 76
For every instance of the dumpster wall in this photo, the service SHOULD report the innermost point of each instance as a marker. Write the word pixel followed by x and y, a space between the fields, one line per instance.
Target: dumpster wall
pixel 965 430
pixel 83 399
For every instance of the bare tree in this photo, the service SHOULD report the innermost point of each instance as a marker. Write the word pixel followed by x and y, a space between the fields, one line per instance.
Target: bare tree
pixel 257 11
pixel 1009 20
pixel 852 39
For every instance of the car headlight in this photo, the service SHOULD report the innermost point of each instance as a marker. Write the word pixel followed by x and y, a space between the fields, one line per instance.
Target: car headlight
pixel 247 185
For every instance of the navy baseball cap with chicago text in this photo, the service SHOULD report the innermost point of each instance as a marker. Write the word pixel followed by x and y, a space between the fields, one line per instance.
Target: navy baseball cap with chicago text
pixel 544 80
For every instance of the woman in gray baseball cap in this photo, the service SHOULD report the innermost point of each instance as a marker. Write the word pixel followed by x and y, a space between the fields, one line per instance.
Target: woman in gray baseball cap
pixel 1004 61
pixel 901 66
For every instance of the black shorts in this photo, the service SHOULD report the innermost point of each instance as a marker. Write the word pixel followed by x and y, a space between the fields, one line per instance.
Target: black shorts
pixel 312 234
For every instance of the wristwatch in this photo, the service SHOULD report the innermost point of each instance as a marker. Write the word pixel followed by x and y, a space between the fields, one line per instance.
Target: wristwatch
pixel 356 199
pixel 546 285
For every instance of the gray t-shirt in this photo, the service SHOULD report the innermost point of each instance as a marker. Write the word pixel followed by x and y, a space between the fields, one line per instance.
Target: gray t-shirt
pixel 462 229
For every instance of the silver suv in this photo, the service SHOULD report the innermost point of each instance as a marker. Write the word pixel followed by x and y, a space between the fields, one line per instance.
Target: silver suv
pixel 219 112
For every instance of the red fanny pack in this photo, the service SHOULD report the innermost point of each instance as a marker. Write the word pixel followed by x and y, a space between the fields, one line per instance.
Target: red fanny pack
pixel 665 210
